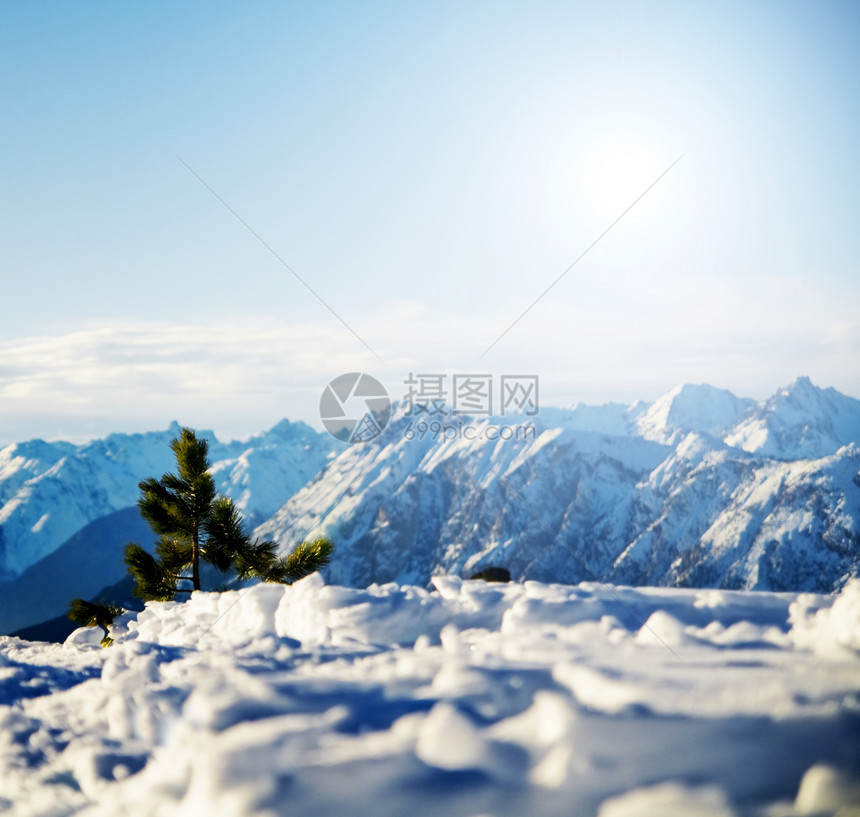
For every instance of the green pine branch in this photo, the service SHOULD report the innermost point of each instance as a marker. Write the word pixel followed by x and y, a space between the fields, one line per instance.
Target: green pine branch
pixel 256 559
pixel 152 581
pixel 306 558
pixel 174 553
pixel 225 537
pixel 92 614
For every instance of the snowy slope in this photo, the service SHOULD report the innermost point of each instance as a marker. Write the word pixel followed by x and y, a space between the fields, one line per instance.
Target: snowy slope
pixel 800 421
pixel 474 699
pixel 723 518
pixel 50 491
pixel 23 461
pixel 50 497
pixel 691 408
pixel 270 467
pixel 88 562
pixel 407 508
pixel 609 418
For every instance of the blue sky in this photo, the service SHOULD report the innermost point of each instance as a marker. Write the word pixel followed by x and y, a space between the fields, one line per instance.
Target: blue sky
pixel 428 169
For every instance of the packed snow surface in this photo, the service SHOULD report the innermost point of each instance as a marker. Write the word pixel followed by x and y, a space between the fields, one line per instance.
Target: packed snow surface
pixel 471 699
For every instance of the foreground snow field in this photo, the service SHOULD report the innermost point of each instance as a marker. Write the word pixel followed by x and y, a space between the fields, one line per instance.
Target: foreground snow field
pixel 475 699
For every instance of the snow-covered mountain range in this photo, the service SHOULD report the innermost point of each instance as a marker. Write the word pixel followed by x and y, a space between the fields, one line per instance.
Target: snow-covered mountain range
pixel 700 488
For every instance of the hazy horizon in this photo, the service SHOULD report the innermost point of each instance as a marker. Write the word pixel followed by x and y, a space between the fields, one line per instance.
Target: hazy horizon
pixel 227 433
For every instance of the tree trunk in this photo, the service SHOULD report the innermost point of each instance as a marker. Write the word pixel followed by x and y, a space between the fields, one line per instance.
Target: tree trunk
pixel 195 557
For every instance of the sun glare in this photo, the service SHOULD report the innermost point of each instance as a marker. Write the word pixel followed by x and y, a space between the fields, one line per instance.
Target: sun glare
pixel 617 170
pixel 603 157
pixel 621 149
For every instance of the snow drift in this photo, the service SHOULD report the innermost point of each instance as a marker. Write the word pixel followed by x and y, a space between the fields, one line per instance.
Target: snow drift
pixel 472 699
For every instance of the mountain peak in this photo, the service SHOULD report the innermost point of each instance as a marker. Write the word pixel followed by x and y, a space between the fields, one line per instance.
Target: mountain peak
pixel 800 421
pixel 285 428
pixel 801 388
pixel 691 407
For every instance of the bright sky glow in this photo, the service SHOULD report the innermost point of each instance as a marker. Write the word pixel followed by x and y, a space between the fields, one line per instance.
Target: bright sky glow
pixel 428 169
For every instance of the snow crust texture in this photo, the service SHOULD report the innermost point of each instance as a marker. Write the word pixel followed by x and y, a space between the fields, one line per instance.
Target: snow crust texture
pixel 470 699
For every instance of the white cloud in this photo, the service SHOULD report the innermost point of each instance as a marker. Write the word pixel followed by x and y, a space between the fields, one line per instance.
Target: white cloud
pixel 618 338
pixel 236 377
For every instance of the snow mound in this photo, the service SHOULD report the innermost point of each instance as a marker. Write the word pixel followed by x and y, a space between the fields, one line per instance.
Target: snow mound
pixel 831 629
pixel 825 790
pixel 668 800
pixel 313 613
